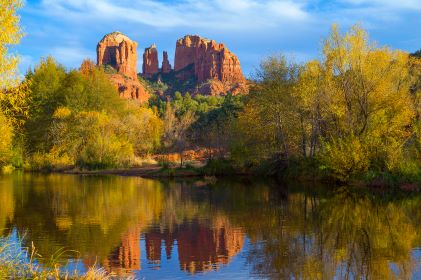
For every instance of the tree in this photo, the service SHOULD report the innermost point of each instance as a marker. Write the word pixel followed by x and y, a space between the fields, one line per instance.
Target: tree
pixel 267 125
pixel 213 129
pixel 367 97
pixel 353 110
pixel 45 84
pixel 90 139
pixel 142 128
pixel 417 53
pixel 11 34
pixel 175 135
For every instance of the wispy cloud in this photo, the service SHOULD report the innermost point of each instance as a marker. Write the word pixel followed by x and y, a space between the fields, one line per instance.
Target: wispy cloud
pixel 386 4
pixel 70 29
pixel 70 55
pixel 233 14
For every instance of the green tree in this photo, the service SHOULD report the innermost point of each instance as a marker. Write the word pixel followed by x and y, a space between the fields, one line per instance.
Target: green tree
pixel 91 91
pixel 45 84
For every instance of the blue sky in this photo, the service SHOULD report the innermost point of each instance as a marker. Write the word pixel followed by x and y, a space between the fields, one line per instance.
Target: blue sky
pixel 253 29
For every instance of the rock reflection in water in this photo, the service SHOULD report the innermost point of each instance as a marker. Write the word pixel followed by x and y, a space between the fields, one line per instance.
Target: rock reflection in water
pixel 200 248
pixel 132 226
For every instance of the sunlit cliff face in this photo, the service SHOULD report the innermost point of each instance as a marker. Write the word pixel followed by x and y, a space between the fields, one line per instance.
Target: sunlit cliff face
pixel 120 52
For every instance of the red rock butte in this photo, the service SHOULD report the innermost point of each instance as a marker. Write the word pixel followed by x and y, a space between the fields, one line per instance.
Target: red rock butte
pixel 210 62
pixel 166 66
pixel 213 68
pixel 150 62
pixel 120 52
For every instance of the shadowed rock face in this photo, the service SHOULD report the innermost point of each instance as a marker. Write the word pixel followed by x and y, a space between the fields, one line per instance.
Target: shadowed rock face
pixel 150 62
pixel 119 52
pixel 209 62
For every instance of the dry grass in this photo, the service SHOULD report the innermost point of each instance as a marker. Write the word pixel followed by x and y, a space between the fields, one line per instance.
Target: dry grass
pixel 18 263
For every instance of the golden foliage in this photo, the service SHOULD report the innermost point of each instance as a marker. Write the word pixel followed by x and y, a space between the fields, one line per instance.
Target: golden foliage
pixel 6 136
pixel 354 109
pixel 10 35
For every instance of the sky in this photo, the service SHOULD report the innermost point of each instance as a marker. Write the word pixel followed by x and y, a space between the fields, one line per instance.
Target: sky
pixel 69 30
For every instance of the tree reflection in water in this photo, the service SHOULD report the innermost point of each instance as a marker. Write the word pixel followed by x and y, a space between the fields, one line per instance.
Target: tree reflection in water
pixel 347 235
pixel 293 232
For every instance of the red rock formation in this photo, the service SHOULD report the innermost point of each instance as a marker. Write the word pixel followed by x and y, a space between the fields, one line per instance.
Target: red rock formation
pixel 119 52
pixel 207 60
pixel 215 88
pixel 129 89
pixel 166 66
pixel 150 62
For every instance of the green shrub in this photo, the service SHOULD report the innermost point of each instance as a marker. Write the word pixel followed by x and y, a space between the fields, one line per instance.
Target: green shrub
pixel 219 167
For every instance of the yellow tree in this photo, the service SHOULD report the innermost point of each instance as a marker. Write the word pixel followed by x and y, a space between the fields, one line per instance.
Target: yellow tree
pixel 368 103
pixel 10 34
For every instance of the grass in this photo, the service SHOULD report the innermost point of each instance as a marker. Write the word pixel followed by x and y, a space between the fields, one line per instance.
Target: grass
pixel 18 263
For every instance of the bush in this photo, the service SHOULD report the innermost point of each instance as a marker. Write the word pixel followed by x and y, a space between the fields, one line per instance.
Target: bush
pixel 49 161
pixel 344 158
pixel 219 167
pixel 92 139
pixel 104 153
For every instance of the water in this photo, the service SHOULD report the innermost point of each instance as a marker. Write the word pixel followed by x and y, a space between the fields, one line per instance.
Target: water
pixel 237 229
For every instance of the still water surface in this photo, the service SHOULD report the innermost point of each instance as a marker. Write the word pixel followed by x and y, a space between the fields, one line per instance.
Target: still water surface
pixel 239 229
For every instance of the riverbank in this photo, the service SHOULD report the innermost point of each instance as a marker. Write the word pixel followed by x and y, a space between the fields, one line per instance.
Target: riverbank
pixel 198 169
pixel 149 171
pixel 378 182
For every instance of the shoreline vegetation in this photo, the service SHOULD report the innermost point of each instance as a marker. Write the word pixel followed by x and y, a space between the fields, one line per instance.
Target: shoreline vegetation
pixel 353 115
pixel 23 263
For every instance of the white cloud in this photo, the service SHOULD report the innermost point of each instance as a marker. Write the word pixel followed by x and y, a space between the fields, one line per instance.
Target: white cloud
pixel 70 55
pixel 232 14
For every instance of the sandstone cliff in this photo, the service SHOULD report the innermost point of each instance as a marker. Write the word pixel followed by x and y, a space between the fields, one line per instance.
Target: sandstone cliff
pixel 119 52
pixel 150 62
pixel 166 66
pixel 129 88
pixel 209 62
